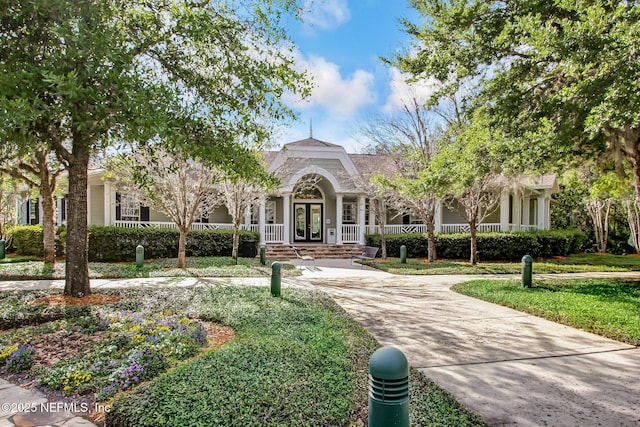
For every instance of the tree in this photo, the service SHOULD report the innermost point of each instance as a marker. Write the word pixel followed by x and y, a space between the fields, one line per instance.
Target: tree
pixel 560 79
pixel 39 170
pixel 410 139
pixel 238 195
pixel 171 183
pixel 8 198
pixel 80 75
pixel 467 177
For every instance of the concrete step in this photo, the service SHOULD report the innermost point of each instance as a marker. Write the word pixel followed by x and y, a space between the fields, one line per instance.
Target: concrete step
pixel 318 251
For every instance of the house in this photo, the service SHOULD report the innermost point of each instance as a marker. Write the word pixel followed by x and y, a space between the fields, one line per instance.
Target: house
pixel 320 200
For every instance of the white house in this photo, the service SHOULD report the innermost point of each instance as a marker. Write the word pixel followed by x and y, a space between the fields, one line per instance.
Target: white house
pixel 331 210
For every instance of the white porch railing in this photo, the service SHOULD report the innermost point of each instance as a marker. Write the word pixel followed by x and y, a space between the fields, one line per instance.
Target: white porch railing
pixel 160 224
pixel 402 228
pixel 350 233
pixel 464 228
pixel 274 233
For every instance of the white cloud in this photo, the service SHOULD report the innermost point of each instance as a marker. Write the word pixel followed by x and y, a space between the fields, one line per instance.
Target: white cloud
pixel 340 96
pixel 402 91
pixel 325 14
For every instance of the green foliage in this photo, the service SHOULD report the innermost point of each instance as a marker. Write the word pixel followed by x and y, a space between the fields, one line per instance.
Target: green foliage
pixel 491 246
pixel 109 244
pixel 27 239
pixel 605 307
pixel 293 361
pixel 547 73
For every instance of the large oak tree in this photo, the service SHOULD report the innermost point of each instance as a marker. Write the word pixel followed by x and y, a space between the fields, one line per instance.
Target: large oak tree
pixel 560 78
pixel 82 74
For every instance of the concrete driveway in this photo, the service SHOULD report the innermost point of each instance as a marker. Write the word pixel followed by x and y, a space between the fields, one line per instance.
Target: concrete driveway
pixel 511 368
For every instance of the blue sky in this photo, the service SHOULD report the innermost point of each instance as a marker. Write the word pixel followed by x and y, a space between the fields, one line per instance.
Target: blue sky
pixel 339 44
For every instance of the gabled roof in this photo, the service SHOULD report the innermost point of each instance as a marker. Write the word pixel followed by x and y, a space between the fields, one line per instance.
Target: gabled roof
pixel 372 164
pixel 311 142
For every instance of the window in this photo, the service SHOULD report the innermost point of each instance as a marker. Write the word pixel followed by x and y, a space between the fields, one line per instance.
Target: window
pixel 270 212
pixel 349 213
pixel 129 208
pixel 33 210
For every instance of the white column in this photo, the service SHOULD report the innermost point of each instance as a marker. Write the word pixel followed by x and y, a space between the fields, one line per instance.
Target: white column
pixel 261 221
pixel 247 218
pixel 361 218
pixel 107 203
pixel 542 217
pixel 504 211
pixel 338 219
pixel 286 218
pixel 525 212
pixel 437 223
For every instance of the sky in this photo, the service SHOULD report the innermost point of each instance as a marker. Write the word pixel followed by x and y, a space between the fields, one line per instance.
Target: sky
pixel 340 43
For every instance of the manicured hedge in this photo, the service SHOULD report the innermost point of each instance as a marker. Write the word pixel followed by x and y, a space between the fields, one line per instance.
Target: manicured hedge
pixel 118 244
pixel 491 246
pixel 27 239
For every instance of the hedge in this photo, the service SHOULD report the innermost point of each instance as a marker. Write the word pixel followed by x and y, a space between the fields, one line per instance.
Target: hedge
pixel 491 246
pixel 118 244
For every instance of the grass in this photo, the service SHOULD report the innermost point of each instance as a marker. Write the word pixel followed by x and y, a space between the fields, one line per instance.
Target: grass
pixel 610 308
pixel 298 360
pixel 578 263
pixel 30 269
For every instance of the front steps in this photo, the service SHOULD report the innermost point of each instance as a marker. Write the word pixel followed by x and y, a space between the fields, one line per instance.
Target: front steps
pixel 316 250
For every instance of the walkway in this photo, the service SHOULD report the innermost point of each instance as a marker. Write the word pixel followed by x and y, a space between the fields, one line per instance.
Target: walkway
pixel 510 367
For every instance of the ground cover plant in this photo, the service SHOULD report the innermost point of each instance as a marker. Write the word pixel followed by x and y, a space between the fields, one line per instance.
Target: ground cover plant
pixel 29 268
pixel 576 263
pixel 298 360
pixel 607 307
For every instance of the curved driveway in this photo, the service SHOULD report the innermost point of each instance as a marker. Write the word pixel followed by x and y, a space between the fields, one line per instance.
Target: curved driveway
pixel 511 368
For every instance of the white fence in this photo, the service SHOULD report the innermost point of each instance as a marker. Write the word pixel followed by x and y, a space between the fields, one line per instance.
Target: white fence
pixel 464 228
pixel 350 233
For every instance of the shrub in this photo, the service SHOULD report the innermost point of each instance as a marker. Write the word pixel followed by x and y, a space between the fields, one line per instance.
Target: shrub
pixel 118 244
pixel 27 240
pixel 491 246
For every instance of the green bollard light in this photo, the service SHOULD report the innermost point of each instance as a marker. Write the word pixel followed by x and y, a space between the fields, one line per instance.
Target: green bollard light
pixel 527 270
pixel 139 256
pixel 403 254
pixel 263 255
pixel 276 278
pixel 2 242
pixel 388 388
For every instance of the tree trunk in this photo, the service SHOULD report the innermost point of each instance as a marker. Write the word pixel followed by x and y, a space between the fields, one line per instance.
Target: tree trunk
pixel 48 225
pixel 431 242
pixel 474 243
pixel 77 265
pixel 236 242
pixel 383 244
pixel 182 247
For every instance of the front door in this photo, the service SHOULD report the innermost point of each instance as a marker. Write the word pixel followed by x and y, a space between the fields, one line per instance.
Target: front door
pixel 308 222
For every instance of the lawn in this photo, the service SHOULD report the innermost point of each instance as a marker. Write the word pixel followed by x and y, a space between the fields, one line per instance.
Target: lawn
pixel 577 263
pixel 215 356
pixel 30 269
pixel 607 307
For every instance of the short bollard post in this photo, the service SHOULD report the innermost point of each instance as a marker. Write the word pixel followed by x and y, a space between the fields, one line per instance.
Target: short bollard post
pixel 527 269
pixel 388 388
pixel 276 276
pixel 263 255
pixel 403 254
pixel 2 242
pixel 139 256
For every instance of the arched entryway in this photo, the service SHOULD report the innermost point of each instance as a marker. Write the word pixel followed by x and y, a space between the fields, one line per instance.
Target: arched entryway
pixel 308 210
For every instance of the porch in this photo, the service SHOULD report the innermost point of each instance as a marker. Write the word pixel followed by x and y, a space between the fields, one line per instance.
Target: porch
pixel 274 233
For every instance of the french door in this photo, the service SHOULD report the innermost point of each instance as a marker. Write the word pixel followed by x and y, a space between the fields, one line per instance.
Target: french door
pixel 308 222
